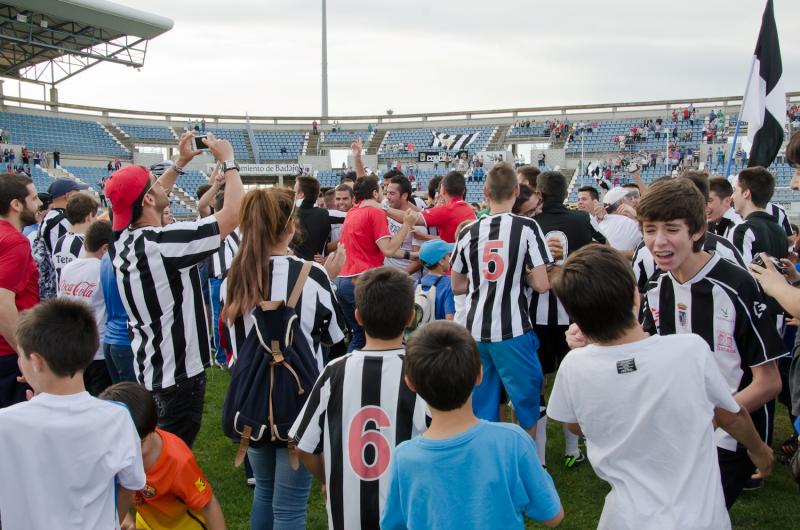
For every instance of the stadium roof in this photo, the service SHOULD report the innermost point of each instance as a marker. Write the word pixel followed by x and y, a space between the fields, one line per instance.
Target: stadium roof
pixel 48 41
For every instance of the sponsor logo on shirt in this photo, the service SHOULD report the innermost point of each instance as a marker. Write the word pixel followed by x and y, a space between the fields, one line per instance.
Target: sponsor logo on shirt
pixel 682 308
pixel 759 308
pixel 725 342
pixel 82 289
pixel 626 366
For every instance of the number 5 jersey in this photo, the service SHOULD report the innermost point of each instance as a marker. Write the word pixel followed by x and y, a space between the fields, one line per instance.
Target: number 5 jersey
pixel 494 253
pixel 359 410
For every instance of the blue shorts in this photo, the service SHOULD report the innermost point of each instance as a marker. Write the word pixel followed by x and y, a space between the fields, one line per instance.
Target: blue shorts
pixel 514 363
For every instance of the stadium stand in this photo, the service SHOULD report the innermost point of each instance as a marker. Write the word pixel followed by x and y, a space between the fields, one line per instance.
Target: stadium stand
pixel 278 145
pixel 147 132
pixel 237 139
pixel 344 137
pixel 61 134
pixel 423 138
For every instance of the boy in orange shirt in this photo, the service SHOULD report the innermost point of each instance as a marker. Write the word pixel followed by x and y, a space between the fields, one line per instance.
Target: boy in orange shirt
pixel 177 494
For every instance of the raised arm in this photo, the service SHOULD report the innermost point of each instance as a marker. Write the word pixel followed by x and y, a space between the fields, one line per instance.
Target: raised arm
pixel 204 204
pixel 228 216
pixel 356 147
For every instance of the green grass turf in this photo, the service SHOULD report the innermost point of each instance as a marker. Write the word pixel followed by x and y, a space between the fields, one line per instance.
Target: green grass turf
pixel 581 492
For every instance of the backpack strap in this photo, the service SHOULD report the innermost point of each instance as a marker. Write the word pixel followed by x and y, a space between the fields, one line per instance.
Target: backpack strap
pixel 298 286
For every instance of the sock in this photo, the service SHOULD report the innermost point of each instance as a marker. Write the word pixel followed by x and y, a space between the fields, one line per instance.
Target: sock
pixel 541 433
pixel 570 443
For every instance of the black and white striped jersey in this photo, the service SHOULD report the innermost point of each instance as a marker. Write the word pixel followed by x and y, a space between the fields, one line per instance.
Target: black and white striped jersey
pixel 158 280
pixel 724 227
pixel 67 249
pixel 760 232
pixel 359 410
pixel 724 306
pixel 779 213
pixel 53 227
pixel 644 266
pixel 320 318
pixel 221 260
pixel 494 252
pixel 573 230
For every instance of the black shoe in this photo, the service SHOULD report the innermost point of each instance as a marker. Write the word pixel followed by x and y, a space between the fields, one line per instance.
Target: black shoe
pixel 753 484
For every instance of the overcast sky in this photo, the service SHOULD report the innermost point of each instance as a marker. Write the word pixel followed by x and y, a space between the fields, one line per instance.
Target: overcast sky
pixel 263 57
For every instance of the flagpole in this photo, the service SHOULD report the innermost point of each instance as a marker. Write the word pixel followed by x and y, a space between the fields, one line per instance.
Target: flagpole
pixel 739 118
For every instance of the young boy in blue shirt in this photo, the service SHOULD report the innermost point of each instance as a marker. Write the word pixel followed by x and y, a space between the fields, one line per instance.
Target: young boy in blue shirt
pixel 462 472
pixel 435 256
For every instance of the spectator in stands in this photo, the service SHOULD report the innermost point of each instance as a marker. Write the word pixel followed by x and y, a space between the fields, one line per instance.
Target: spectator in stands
pixel 157 265
pixel 56 159
pixel 19 278
pixel 117 164
pixel 367 242
pixel 314 127
pixel 25 156
pixel 793 158
pixel 110 166
pixel 314 223
pixel 203 125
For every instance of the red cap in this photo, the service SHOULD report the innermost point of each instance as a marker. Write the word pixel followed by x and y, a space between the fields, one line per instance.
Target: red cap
pixel 122 189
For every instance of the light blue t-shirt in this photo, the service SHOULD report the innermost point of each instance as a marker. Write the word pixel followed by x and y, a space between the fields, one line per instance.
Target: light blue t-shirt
pixel 485 477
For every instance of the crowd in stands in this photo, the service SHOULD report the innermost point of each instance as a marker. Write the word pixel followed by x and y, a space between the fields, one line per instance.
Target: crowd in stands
pixel 378 335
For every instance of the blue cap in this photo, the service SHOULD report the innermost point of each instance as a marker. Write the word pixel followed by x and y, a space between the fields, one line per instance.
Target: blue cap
pixel 63 186
pixel 431 252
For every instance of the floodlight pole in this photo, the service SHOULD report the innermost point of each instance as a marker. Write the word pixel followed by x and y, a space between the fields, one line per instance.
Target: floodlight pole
pixel 324 63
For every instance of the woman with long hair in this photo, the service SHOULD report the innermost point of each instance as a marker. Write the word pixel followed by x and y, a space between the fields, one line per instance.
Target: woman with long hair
pixel 263 269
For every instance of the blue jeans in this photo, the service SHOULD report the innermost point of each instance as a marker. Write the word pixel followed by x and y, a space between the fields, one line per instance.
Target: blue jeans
pixel 119 360
pixel 280 499
pixel 213 286
pixel 346 292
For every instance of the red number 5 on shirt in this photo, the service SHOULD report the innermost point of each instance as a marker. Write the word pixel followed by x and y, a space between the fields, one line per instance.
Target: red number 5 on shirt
pixel 359 438
pixel 491 255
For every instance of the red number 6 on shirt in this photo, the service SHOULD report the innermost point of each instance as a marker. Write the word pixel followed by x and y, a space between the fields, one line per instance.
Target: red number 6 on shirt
pixel 491 254
pixel 358 438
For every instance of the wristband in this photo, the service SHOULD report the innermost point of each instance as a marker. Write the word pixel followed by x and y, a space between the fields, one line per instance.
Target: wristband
pixel 178 169
pixel 796 284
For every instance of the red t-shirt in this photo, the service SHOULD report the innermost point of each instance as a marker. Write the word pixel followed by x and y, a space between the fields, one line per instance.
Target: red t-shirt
pixel 447 218
pixel 363 227
pixel 18 273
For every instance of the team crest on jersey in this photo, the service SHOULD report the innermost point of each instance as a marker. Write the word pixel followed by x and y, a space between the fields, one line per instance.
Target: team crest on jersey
pixel 148 492
pixel 200 484
pixel 682 309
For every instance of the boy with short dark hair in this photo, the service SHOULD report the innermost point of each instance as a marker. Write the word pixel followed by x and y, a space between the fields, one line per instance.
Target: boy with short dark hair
pixel 360 407
pixel 711 297
pixel 177 493
pixel 65 450
pixel 435 257
pixel 660 476
pixel 81 210
pixel 438 480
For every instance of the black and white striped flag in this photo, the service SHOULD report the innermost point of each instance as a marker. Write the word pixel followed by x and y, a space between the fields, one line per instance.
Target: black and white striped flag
pixel 764 108
pixel 453 142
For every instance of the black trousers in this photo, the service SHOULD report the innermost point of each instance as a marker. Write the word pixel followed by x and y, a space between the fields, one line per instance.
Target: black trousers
pixel 735 469
pixel 96 377
pixel 180 407
pixel 11 392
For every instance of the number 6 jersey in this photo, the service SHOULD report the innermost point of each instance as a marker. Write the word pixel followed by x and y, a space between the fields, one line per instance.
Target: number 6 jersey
pixel 359 410
pixel 494 253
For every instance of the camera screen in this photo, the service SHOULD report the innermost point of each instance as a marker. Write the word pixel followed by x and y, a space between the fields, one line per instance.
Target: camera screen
pixel 198 142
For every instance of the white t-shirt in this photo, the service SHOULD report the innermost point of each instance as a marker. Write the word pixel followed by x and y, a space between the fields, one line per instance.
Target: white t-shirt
pixel 646 410
pixel 80 280
pixel 59 457
pixel 460 316
pixel 622 232
pixel 336 229
pixel 408 244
